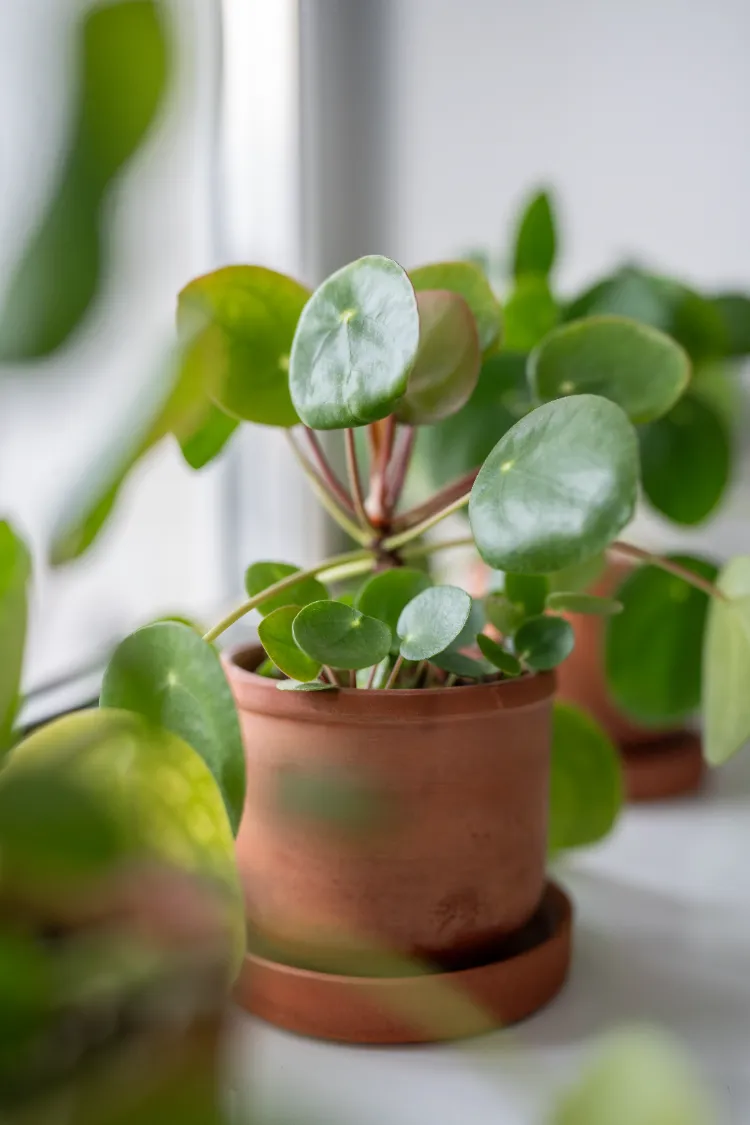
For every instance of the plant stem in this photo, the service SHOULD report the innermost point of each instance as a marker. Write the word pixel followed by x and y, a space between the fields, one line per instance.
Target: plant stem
pixel 400 465
pixel 355 482
pixel 371 678
pixel 330 478
pixel 393 542
pixel 451 680
pixel 435 503
pixel 352 678
pixel 325 497
pixel 381 444
pixel 421 550
pixel 344 566
pixel 394 673
pixel 671 567
pixel 332 676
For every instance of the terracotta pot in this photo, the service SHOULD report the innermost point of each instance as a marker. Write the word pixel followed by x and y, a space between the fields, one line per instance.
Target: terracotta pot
pixel 456 861
pixel 581 678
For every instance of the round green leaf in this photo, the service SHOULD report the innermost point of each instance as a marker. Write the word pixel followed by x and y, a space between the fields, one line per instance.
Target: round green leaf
pixel 168 674
pixel 530 313
pixel 636 366
pixel 726 665
pixel 564 601
pixel 503 614
pixel 462 442
pixel 557 488
pixel 458 664
pixel 255 312
pixel 448 360
pixel 340 636
pixel 536 238
pixel 686 460
pixel 15 572
pixel 432 621
pixel 260 575
pixel 275 633
pixel 544 642
pixel 528 591
pixel 586 790
pixel 468 281
pixel 653 649
pixel 386 594
pixel 355 344
pixel 498 657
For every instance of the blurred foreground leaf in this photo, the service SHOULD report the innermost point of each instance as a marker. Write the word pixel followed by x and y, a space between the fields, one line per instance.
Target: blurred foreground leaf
pixel 639 1077
pixel 123 71
pixel 15 570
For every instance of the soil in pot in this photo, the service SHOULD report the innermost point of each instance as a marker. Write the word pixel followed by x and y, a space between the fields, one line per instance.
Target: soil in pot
pixel 444 854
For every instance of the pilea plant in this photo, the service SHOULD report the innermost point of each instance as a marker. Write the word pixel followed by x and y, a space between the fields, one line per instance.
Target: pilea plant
pixel 389 354
pixel 686 452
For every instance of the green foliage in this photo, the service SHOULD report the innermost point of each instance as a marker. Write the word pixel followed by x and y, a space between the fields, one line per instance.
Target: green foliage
pixel 498 657
pixel 543 642
pixel 260 575
pixel 458 664
pixel 355 345
pixel 385 595
pixel 586 788
pixel 693 321
pixel 530 313
pixel 275 633
pixel 447 365
pixel 529 591
pixel 503 614
pixel 570 469
pixel 252 314
pixel 536 238
pixel 734 310
pixel 639 368
pixel 432 621
pixel 462 442
pixel 340 636
pixel 686 460
pixel 653 649
pixel 123 67
pixel 563 601
pixel 726 665
pixel 15 572
pixel 468 281
pixel 209 439
pixel 168 674
pixel 312 685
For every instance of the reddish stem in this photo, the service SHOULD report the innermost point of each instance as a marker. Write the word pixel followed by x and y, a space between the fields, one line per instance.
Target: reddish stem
pixel 436 503
pixel 400 462
pixel 327 473
pixel 381 445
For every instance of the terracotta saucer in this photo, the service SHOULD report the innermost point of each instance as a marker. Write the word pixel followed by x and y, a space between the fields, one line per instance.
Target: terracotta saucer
pixel 666 768
pixel 528 972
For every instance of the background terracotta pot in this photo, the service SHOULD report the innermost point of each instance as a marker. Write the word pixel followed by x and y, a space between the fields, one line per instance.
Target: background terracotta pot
pixel 456 858
pixel 581 677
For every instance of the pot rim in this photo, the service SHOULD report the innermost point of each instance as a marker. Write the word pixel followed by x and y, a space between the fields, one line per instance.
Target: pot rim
pixel 362 706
